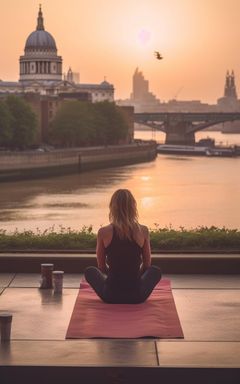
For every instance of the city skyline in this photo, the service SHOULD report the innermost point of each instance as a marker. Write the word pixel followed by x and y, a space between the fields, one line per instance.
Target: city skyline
pixel 199 43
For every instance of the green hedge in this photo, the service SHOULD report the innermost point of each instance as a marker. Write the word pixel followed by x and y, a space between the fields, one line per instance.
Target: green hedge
pixel 200 238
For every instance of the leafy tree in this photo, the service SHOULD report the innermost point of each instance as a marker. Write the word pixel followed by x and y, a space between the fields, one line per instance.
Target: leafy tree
pixel 80 123
pixel 73 124
pixel 5 125
pixel 113 125
pixel 23 122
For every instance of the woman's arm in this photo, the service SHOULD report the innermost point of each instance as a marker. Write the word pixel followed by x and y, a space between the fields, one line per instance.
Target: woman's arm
pixel 101 254
pixel 146 250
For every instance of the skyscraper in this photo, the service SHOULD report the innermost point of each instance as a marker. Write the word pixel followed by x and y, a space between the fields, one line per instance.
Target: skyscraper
pixel 140 89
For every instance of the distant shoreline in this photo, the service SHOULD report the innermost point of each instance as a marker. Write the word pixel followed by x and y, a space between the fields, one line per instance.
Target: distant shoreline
pixel 33 164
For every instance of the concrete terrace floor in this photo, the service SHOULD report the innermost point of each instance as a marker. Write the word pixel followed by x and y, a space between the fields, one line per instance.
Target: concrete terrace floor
pixel 208 307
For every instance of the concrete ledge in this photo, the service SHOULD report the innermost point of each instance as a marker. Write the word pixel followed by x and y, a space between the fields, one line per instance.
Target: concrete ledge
pixel 169 263
pixel 125 375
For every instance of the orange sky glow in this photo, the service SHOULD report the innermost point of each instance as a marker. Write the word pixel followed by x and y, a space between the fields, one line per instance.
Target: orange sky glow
pixel 199 40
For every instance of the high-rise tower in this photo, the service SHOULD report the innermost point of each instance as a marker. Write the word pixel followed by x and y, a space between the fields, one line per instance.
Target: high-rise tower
pixel 141 97
pixel 230 87
pixel 140 86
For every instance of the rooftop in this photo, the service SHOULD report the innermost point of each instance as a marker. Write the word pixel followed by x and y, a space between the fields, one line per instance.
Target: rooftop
pixel 208 308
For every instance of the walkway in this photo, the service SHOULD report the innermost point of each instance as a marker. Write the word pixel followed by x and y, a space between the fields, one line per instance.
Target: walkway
pixel 208 308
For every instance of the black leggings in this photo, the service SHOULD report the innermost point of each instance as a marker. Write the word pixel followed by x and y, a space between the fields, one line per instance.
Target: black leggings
pixel 147 282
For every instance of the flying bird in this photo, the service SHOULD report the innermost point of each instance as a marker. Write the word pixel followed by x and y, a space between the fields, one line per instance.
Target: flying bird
pixel 158 55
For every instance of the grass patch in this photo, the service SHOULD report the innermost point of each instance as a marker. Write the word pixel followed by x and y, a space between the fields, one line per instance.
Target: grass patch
pixel 168 238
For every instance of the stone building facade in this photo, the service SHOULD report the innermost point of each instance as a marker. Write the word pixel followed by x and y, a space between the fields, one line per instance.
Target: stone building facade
pixel 41 81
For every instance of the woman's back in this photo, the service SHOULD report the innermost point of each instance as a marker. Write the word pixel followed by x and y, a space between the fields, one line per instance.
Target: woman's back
pixel 124 258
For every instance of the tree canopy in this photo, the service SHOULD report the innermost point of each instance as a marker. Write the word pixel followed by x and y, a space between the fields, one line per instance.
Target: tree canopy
pixel 23 123
pixel 81 123
pixel 76 123
pixel 5 125
pixel 18 123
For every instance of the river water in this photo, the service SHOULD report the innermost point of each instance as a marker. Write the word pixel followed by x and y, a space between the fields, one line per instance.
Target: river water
pixel 172 190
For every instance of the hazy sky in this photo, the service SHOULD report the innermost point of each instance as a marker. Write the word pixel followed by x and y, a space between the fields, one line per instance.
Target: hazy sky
pixel 199 39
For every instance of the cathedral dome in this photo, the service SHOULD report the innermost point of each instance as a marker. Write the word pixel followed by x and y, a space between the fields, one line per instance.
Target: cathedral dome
pixel 40 39
pixel 40 61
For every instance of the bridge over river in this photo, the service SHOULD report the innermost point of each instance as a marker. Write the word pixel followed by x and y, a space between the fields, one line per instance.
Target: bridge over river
pixel 180 127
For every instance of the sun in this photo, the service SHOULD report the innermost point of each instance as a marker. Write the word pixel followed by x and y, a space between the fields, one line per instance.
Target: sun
pixel 144 36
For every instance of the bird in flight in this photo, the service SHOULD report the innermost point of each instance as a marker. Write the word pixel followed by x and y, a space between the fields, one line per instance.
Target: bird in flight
pixel 158 55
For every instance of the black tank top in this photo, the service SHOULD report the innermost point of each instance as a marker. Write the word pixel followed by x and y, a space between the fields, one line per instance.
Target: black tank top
pixel 124 258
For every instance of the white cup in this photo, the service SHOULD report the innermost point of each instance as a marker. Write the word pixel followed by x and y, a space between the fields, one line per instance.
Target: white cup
pixel 57 281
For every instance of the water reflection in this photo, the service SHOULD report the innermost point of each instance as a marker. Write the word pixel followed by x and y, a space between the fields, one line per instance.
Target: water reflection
pixel 179 158
pixel 48 297
pixel 41 203
pixel 145 178
pixel 182 191
pixel 146 202
pixel 64 185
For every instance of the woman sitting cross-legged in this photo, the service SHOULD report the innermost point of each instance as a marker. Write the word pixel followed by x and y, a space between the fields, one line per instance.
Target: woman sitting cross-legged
pixel 124 273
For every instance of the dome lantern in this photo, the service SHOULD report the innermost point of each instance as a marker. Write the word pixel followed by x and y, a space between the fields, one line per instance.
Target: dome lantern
pixel 40 25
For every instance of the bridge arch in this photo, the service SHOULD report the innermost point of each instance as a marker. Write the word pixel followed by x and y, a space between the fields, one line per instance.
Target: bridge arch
pixel 180 127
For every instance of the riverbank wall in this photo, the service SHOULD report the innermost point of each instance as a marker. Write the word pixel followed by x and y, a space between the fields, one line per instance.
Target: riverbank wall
pixel 33 164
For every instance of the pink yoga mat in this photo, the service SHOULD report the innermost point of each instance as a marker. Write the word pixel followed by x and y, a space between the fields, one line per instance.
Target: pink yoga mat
pixel 157 317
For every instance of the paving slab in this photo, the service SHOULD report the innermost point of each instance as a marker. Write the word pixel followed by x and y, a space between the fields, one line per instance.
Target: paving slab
pixel 210 318
pixel 72 280
pixel 5 279
pixel 80 352
pixel 38 313
pixel 204 314
pixel 28 280
pixel 209 315
pixel 205 281
pixel 121 353
pixel 32 280
pixel 199 354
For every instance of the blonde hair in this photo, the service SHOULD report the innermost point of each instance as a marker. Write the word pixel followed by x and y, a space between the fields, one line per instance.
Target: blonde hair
pixel 123 213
